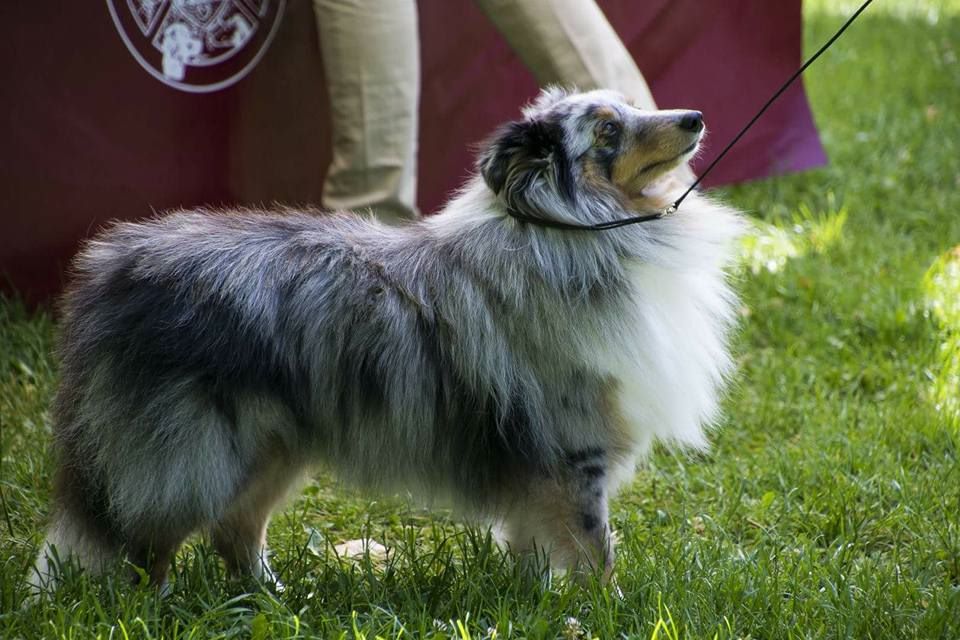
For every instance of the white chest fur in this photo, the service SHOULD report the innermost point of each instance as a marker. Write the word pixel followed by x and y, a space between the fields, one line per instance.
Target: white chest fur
pixel 670 359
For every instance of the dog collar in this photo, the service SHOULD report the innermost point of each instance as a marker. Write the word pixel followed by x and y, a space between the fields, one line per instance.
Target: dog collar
pixel 600 226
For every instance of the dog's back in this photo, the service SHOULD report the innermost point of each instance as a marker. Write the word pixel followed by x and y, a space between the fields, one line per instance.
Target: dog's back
pixel 206 356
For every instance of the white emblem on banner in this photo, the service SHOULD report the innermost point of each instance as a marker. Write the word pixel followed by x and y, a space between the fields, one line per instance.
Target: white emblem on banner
pixel 197 45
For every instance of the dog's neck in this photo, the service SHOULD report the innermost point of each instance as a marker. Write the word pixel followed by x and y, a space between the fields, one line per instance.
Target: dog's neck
pixel 661 193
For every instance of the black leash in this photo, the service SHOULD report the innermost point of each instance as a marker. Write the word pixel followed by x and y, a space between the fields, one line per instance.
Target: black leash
pixel 613 224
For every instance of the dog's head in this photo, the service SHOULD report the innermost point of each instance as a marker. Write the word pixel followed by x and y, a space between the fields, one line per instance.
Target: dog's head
pixel 571 151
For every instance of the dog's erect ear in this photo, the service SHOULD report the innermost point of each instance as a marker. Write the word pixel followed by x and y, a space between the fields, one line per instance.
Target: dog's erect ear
pixel 519 151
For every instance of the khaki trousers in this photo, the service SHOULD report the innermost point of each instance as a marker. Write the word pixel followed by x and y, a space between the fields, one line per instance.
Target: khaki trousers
pixel 371 56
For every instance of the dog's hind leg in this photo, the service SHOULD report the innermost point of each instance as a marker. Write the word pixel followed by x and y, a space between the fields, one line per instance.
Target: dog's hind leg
pixel 240 536
pixel 153 556
pixel 567 516
pixel 178 480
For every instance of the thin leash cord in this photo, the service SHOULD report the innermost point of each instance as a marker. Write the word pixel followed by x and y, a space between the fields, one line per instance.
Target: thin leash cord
pixel 613 224
pixel 769 102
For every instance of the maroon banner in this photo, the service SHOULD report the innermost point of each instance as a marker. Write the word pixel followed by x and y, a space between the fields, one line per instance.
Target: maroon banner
pixel 104 119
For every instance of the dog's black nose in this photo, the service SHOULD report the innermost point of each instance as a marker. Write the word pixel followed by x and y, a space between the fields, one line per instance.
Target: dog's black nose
pixel 692 121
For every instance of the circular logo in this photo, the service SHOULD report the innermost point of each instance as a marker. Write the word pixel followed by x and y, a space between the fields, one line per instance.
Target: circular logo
pixel 197 45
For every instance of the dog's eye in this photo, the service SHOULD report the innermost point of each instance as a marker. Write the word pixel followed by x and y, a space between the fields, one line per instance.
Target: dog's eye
pixel 609 129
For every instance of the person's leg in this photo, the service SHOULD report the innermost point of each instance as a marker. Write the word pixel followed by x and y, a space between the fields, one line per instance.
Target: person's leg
pixel 569 42
pixel 371 56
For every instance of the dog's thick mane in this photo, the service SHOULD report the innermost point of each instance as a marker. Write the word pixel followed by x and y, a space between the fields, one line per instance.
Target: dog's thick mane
pixel 629 289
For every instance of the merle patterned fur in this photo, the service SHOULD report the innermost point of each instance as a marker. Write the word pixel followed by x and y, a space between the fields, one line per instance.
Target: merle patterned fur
pixel 210 357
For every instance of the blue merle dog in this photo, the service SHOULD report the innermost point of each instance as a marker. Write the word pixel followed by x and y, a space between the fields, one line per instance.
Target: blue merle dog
pixel 210 358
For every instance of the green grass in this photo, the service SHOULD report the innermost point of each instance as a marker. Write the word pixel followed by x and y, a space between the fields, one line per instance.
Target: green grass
pixel 828 508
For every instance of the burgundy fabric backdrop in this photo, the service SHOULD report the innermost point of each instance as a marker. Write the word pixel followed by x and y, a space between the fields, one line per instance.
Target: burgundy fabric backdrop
pixel 90 136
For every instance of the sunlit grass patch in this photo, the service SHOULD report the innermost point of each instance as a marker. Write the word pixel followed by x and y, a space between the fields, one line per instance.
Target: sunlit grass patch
pixel 941 286
pixel 769 246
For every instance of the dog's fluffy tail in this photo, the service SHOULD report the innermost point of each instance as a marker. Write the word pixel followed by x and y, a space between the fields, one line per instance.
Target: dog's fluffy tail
pixel 68 543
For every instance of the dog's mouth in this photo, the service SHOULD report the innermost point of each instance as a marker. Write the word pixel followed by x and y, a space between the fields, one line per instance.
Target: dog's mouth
pixel 669 161
pixel 650 172
pixel 654 147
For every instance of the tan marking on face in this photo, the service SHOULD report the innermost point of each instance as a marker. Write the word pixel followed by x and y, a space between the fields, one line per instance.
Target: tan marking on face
pixel 595 177
pixel 593 174
pixel 652 150
pixel 605 113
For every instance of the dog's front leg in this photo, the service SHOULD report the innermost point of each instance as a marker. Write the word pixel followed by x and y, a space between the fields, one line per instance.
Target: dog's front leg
pixel 567 517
